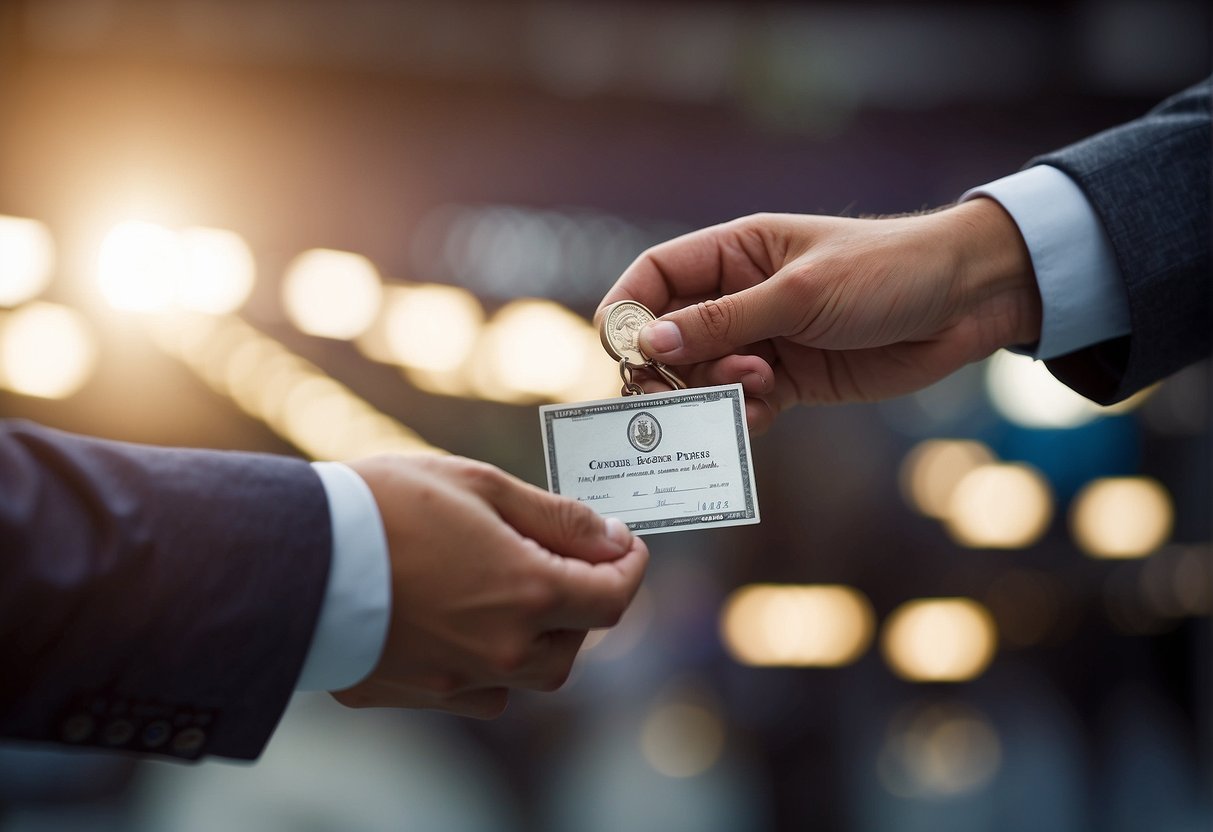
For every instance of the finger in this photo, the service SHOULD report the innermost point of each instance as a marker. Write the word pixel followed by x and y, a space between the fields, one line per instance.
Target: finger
pixel 591 595
pixel 558 524
pixel 555 652
pixel 757 378
pixel 758 383
pixel 704 263
pixel 759 416
pixel 752 372
pixel 716 328
pixel 761 406
pixel 684 265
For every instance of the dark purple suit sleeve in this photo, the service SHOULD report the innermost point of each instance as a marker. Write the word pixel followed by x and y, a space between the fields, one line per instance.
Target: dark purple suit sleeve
pixel 153 599
pixel 1148 181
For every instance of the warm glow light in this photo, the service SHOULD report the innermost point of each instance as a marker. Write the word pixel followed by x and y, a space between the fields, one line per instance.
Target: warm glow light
pixel 932 469
pixel 332 294
pixel 1005 506
pixel 46 350
pixel 140 266
pixel 939 640
pixel 1190 581
pixel 1122 517
pixel 534 349
pixel 27 259
pixel 600 379
pixel 940 751
pixel 681 739
pixel 432 328
pixel 312 411
pixel 219 271
pixel 797 626
pixel 1023 391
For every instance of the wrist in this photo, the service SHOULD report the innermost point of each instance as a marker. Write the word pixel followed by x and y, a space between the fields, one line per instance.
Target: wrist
pixel 994 279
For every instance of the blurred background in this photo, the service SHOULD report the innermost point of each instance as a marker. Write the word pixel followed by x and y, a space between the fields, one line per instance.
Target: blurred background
pixel 330 228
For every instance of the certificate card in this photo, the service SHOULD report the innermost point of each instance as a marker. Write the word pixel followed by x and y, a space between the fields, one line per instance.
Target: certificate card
pixel 661 462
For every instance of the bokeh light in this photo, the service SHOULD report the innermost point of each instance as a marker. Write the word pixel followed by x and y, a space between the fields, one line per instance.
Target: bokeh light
pixel 431 327
pixel 1024 392
pixel 1000 506
pixel 219 271
pixel 1178 581
pixel 797 626
pixel 939 640
pixel 933 468
pixel 534 350
pixel 331 294
pixel 682 739
pixel 940 750
pixel 1122 517
pixel 140 266
pixel 296 399
pixel 46 350
pixel 27 259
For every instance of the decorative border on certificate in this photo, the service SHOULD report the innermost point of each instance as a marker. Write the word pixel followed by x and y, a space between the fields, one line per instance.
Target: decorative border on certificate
pixel 644 438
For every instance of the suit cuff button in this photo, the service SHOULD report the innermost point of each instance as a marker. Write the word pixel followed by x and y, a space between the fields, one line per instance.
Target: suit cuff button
pixel 117 732
pixel 155 733
pixel 189 741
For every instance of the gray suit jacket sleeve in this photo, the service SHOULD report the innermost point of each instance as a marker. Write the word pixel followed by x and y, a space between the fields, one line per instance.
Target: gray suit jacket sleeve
pixel 1148 181
pixel 153 599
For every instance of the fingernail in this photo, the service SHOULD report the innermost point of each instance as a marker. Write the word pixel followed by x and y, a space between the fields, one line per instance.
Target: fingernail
pixel 753 383
pixel 660 337
pixel 619 534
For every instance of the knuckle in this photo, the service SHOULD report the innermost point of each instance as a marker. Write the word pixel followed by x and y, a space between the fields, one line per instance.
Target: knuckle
pixel 481 477
pixel 717 317
pixel 537 597
pixel 574 520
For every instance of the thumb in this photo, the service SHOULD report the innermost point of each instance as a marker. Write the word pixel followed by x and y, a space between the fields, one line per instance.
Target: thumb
pixel 716 328
pixel 562 526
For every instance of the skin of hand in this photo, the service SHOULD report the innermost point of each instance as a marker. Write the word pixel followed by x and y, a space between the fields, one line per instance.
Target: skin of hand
pixel 810 310
pixel 494 584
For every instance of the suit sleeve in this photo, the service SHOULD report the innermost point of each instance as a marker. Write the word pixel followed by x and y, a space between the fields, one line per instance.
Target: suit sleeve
pixel 1148 181
pixel 153 599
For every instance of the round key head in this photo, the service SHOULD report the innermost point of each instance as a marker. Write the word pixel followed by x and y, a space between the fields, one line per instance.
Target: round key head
pixel 620 331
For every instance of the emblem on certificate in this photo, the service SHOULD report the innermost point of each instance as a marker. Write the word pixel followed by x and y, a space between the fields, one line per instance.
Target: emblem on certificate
pixel 661 462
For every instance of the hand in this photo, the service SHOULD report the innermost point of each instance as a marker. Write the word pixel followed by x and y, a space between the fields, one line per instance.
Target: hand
pixel 808 309
pixel 494 584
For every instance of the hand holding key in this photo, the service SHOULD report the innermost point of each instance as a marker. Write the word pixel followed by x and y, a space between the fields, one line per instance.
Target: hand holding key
pixel 619 329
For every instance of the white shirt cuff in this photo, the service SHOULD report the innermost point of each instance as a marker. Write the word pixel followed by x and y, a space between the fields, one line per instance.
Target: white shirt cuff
pixel 1083 296
pixel 353 623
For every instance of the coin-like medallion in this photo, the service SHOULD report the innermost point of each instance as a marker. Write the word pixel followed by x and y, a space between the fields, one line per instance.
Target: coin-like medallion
pixel 620 331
